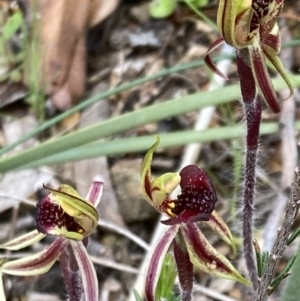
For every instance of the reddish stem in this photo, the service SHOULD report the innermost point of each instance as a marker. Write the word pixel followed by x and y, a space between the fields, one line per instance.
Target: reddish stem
pixel 252 109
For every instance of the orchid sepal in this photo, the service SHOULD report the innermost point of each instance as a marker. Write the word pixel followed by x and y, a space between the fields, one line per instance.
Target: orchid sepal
pixel 88 273
pixel 206 258
pixel 23 241
pixel 217 224
pixel 36 264
pixel 155 261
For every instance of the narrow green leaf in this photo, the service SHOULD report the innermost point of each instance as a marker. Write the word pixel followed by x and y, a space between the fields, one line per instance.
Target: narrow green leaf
pixel 283 274
pixel 127 121
pixel 135 144
pixel 293 236
pixel 137 296
pixel 12 25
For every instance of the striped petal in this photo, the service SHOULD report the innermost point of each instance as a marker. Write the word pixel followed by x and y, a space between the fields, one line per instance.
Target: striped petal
pixel 87 271
pixel 95 193
pixel 205 257
pixel 23 241
pixel 262 77
pixel 217 224
pixel 36 264
pixel 184 268
pixel 156 260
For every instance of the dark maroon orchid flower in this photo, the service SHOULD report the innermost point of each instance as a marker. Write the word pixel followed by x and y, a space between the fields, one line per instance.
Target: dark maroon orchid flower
pixel 72 219
pixel 191 249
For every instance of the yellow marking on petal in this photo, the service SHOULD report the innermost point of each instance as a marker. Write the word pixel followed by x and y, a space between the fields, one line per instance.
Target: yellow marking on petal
pixel 172 205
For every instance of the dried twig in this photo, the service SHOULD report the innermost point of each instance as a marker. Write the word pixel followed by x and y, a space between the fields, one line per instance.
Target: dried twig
pixel 288 150
pixel 282 236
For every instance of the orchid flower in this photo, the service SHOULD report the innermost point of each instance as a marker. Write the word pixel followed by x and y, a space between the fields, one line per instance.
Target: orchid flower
pixel 62 213
pixel 250 26
pixel 191 249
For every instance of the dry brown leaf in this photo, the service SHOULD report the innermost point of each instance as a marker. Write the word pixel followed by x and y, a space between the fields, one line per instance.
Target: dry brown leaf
pixel 100 9
pixel 60 27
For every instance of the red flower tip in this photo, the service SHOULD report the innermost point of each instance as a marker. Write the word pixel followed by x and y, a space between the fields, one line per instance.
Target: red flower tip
pixel 197 199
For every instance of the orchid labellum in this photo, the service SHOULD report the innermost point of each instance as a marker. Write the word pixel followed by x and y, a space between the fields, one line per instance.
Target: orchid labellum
pixel 250 26
pixel 190 247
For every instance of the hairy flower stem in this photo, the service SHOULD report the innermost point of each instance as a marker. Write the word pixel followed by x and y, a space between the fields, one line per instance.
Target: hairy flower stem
pixel 71 274
pixel 252 109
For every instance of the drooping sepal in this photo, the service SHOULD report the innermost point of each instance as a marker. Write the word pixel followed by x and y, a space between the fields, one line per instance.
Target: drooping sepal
pixel 217 224
pixel 262 77
pixel 36 264
pixel 184 268
pixel 205 257
pixel 156 260
pixel 87 271
pixel 23 241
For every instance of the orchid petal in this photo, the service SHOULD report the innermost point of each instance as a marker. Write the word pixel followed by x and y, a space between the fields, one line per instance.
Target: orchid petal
pixel 95 193
pixel 205 257
pixel 217 224
pixel 262 78
pixel 162 186
pixel 156 260
pixel 23 241
pixel 88 273
pixel 36 264
pixel 208 61
pixel 184 268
